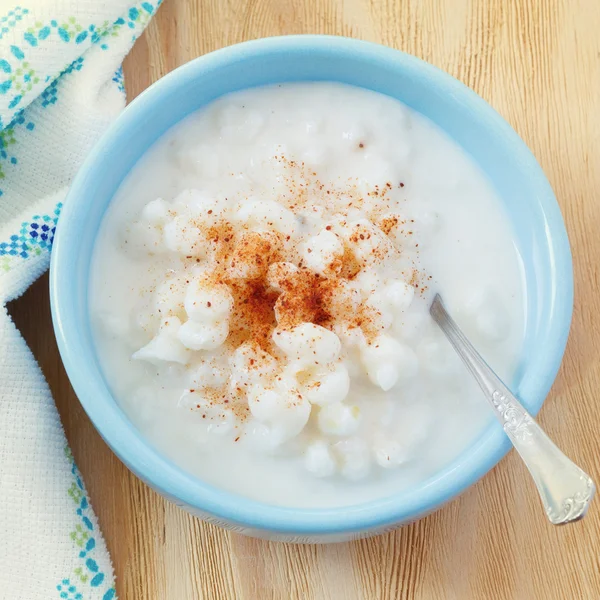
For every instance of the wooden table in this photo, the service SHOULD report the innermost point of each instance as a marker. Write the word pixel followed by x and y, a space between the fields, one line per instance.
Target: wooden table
pixel 538 63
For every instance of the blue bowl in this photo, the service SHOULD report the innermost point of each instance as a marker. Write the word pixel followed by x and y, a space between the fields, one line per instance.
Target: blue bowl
pixel 501 154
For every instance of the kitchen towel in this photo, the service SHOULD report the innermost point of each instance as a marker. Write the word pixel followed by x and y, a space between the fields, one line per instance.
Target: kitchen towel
pixel 61 85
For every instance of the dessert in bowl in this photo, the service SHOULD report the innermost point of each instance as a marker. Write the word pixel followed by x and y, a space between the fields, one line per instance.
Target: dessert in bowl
pixel 242 274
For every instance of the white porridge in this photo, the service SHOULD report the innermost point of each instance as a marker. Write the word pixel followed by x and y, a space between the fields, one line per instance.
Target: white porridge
pixel 260 291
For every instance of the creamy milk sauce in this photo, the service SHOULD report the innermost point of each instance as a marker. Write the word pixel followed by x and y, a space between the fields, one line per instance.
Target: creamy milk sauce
pixel 260 290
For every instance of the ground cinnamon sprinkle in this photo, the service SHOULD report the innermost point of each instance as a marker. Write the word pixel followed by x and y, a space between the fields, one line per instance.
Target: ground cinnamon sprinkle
pixel 223 398
pixel 253 315
pixel 388 224
pixel 414 278
pixel 258 251
pixel 264 300
pixel 302 301
pixel 221 237
pixel 350 266
pixel 368 319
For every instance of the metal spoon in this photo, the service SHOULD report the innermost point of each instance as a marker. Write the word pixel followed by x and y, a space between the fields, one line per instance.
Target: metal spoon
pixel 566 491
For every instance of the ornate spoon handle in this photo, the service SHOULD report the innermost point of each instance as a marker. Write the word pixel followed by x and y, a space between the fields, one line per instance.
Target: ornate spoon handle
pixel 566 491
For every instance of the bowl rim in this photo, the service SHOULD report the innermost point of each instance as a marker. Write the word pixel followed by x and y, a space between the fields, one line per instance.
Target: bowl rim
pixel 160 472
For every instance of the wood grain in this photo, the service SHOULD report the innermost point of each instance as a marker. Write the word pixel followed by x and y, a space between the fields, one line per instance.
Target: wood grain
pixel 538 63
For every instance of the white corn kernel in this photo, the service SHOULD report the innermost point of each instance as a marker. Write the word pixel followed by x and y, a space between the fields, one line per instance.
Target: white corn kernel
pixel 222 423
pixel 318 459
pixel 327 386
pixel 399 295
pixel 209 373
pixel 250 364
pixel 309 343
pixel 389 453
pixel 339 419
pixel 201 207
pixel 207 301
pixel 183 237
pixel 279 273
pixel 156 212
pixel 165 346
pixel 283 409
pixel 267 214
pixel 389 362
pixel 203 335
pixel 368 243
pixel 354 458
pixel 322 253
pixel 169 297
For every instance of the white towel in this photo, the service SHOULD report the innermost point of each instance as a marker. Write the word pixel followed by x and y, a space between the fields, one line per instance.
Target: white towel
pixel 61 85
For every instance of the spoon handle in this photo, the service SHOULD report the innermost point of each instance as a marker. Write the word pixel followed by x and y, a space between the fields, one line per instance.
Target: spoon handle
pixel 566 491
